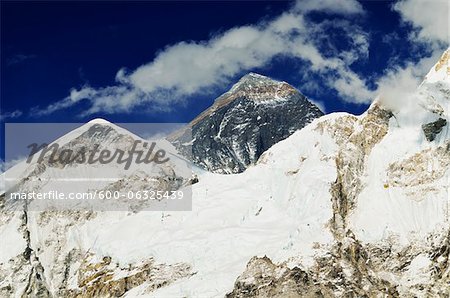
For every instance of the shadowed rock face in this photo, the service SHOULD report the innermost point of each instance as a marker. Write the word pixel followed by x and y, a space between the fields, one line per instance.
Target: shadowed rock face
pixel 434 128
pixel 243 123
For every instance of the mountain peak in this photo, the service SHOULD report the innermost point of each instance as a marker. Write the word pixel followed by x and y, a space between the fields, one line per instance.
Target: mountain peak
pixel 255 81
pixel 253 115
pixel 259 89
pixel 440 72
pixel 99 121
pixel 251 76
pixel 443 61
pixel 255 88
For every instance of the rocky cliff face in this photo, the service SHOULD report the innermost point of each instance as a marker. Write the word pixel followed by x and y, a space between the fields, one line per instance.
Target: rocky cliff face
pixel 243 123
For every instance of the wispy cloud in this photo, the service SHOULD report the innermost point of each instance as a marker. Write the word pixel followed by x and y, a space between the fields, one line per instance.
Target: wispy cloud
pixel 319 104
pixel 10 115
pixel 6 164
pixel 192 67
pixel 18 58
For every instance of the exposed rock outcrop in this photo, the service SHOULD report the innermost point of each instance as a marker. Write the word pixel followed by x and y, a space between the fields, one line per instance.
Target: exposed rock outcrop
pixel 434 128
pixel 353 269
pixel 355 138
pixel 243 123
pixel 107 279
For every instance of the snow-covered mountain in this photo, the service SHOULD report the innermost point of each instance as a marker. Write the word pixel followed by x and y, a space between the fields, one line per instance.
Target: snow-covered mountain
pixel 254 114
pixel 348 206
pixel 388 202
pixel 53 174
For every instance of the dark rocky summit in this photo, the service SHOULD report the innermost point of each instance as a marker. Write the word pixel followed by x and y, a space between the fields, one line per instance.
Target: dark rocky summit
pixel 244 122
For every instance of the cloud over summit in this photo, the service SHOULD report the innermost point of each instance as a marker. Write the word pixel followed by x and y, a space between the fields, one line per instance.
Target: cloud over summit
pixel 188 68
pixel 191 67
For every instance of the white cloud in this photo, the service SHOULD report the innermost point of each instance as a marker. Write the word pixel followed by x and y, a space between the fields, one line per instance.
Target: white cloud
pixel 18 58
pixel 188 68
pixel 432 24
pixel 5 165
pixel 331 6
pixel 431 18
pixel 396 87
pixel 350 85
pixel 319 104
pixel 10 115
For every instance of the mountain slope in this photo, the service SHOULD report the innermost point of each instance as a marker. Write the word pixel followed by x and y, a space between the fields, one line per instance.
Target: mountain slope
pixel 349 206
pixel 390 204
pixel 38 262
pixel 232 134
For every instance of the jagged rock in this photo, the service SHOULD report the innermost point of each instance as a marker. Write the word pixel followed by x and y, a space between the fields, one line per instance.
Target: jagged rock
pixel 108 279
pixel 352 269
pixel 262 278
pixel 355 137
pixel 243 123
pixel 416 174
pixel 434 128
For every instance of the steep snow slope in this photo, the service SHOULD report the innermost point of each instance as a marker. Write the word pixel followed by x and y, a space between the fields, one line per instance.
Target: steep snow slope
pixel 407 173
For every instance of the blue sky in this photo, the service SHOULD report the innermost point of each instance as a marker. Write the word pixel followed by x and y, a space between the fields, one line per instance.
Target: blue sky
pixel 150 61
